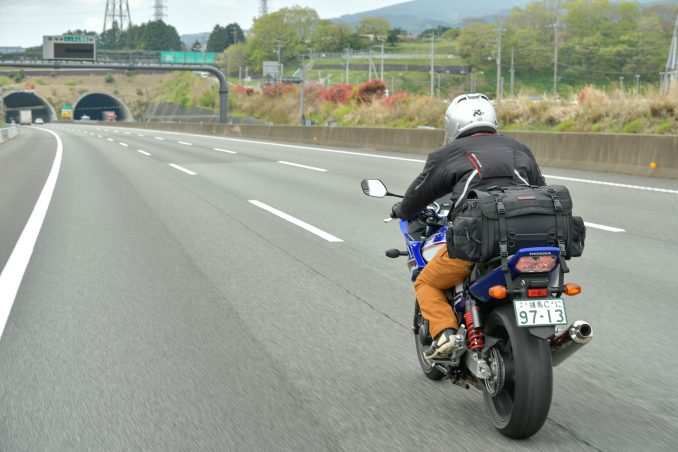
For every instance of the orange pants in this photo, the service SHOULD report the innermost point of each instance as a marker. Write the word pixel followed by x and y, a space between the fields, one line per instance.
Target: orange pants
pixel 441 273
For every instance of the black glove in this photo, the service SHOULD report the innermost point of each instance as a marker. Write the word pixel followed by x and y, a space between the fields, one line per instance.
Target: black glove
pixel 395 210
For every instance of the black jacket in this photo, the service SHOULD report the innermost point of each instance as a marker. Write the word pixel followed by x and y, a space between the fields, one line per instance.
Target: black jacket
pixel 474 162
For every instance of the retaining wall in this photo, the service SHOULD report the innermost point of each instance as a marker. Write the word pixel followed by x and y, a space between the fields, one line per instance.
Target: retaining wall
pixel 7 133
pixel 625 154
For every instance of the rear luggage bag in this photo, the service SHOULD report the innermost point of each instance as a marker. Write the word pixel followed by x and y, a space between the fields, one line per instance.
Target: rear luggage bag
pixel 499 222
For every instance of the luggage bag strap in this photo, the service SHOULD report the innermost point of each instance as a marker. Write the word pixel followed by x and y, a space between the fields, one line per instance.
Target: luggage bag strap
pixel 503 241
pixel 558 207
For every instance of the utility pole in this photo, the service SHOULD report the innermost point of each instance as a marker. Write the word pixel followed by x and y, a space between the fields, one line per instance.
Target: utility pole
pixel 513 72
pixel 500 31
pixel 556 29
pixel 637 84
pixel 433 37
pixel 348 54
pixel 671 73
pixel 621 83
pixel 382 61
pixel 369 77
pixel 303 76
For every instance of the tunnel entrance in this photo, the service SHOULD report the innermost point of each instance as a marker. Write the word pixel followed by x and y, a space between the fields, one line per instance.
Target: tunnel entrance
pixel 93 105
pixel 17 101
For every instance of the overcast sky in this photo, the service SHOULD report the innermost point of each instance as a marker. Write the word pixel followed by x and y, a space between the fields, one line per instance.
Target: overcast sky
pixel 23 22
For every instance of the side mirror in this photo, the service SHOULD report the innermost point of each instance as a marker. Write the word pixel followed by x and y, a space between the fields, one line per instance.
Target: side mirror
pixel 374 187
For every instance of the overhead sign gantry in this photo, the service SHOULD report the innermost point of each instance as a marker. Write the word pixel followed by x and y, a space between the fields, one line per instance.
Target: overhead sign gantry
pixel 67 47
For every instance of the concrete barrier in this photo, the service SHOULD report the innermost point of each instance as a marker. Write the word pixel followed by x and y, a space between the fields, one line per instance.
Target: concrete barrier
pixel 617 153
pixel 7 133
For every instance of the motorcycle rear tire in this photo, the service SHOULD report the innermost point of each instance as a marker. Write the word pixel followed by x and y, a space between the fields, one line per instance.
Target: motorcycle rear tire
pixel 521 407
pixel 426 365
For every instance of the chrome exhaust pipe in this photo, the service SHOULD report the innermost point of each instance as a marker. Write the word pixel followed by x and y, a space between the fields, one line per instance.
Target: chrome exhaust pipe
pixel 566 343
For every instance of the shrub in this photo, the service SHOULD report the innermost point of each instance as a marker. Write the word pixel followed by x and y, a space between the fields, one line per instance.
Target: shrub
pixel 370 90
pixel 339 94
pixel 109 78
pixel 397 98
pixel 244 90
pixel 634 126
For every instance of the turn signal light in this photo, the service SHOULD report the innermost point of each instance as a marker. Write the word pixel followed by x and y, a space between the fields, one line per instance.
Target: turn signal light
pixel 571 289
pixel 498 292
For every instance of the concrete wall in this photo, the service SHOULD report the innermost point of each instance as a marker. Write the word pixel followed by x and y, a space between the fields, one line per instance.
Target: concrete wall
pixel 7 133
pixel 624 154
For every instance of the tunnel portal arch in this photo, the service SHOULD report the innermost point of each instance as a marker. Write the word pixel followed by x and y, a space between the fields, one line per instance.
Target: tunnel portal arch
pixel 94 104
pixel 15 101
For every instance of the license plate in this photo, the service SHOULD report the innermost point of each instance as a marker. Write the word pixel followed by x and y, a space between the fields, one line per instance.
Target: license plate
pixel 550 311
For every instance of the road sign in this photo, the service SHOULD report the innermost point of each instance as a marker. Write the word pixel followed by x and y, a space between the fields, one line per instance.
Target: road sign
pixel 187 57
pixel 69 48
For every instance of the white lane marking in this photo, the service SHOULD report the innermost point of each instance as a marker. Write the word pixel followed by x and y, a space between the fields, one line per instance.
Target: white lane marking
pixel 140 135
pixel 181 168
pixel 296 221
pixel 159 138
pixel 115 131
pixel 109 139
pixel 224 150
pixel 388 157
pixel 613 184
pixel 126 133
pixel 185 143
pixel 143 152
pixel 302 166
pixel 99 136
pixel 123 144
pixel 603 227
pixel 13 273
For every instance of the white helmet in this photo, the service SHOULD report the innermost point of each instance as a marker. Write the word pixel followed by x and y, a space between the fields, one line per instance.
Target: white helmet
pixel 469 113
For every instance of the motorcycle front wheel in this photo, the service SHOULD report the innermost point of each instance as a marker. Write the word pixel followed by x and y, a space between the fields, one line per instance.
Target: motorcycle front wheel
pixel 518 399
pixel 422 340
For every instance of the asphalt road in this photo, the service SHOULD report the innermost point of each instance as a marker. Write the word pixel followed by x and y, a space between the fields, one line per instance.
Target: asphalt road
pixel 165 308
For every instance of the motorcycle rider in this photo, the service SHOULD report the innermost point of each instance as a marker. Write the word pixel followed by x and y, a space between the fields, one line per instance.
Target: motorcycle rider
pixel 476 156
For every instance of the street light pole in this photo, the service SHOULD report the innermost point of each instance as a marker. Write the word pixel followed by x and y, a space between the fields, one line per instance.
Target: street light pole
pixel 432 63
pixel 500 31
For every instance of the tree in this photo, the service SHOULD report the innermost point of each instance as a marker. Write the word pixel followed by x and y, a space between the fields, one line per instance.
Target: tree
pixel 155 35
pixel 218 39
pixel 394 35
pixel 196 47
pixel 236 55
pixel 373 26
pixel 330 37
pixel 474 43
pixel 289 29
pixel 113 38
pixel 439 30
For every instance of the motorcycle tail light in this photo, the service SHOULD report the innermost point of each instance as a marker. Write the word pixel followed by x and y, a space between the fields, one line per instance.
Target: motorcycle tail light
pixel 536 264
pixel 534 293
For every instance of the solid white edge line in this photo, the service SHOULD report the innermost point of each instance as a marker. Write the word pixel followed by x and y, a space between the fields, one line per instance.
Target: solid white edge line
pixel 224 150
pixel 181 168
pixel 159 138
pixel 302 166
pixel 613 184
pixel 319 232
pixel 13 272
pixel 143 152
pixel 109 139
pixel 123 144
pixel 603 227
pixel 185 143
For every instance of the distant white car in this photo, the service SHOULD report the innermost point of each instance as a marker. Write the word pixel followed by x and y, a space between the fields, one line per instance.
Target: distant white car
pixel 39 121
pixel 84 118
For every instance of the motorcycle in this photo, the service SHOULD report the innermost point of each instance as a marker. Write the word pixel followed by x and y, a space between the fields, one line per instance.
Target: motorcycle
pixel 511 341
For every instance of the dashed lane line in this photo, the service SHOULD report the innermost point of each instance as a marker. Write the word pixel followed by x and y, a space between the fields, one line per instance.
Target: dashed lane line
pixel 302 224
pixel 182 169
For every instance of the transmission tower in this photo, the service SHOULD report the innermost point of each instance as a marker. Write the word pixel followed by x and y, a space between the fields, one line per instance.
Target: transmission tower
pixel 159 10
pixel 671 73
pixel 117 12
pixel 263 8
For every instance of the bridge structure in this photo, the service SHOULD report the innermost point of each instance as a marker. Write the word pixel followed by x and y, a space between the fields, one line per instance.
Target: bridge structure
pixel 57 64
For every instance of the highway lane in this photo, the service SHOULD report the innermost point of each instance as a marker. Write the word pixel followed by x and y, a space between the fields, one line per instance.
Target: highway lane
pixel 164 310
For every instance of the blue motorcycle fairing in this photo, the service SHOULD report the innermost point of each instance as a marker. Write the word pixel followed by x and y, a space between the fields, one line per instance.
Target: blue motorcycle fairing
pixel 480 288
pixel 414 247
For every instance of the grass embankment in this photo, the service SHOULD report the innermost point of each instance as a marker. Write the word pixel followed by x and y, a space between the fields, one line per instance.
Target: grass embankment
pixel 591 110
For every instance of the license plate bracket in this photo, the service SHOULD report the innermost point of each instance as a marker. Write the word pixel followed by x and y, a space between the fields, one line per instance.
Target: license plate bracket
pixel 539 312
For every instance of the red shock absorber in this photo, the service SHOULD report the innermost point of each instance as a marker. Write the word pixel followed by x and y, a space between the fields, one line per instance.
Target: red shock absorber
pixel 476 337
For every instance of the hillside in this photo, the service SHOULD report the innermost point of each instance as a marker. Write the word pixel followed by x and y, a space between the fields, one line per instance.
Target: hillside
pixel 418 15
